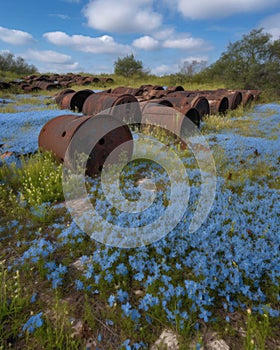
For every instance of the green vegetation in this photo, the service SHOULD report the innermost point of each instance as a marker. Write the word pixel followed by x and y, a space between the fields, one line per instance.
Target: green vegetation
pixel 128 66
pixel 26 192
pixel 250 63
pixel 15 65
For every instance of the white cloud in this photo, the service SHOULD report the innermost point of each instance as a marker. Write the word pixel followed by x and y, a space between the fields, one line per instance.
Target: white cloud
pixel 51 61
pixel 186 43
pixel 15 37
pixel 103 44
pixel 165 69
pixel 61 67
pixel 146 43
pixel 202 9
pixel 271 25
pixel 48 56
pixel 59 15
pixel 122 16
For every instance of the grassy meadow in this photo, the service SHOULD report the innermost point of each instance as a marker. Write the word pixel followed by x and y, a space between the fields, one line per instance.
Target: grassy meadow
pixel 60 289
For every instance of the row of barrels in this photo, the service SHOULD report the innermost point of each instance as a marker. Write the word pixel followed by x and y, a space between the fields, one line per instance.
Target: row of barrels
pixel 205 102
pixel 107 118
pixel 34 83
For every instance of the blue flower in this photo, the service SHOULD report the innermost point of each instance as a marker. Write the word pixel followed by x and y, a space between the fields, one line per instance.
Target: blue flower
pixel 79 285
pixel 126 309
pixel 111 300
pixel 122 296
pixel 33 298
pixel 122 269
pixel 33 322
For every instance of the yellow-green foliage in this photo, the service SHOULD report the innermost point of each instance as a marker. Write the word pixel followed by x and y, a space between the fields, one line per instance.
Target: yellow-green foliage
pixel 215 123
pixel 37 181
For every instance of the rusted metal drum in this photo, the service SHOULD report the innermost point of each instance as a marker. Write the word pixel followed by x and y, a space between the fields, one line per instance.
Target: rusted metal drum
pixel 256 94
pixel 106 80
pixel 217 100
pixel 234 97
pixel 127 90
pixel 194 100
pixel 170 118
pixel 59 96
pixel 153 94
pixel 55 135
pixel 58 134
pixel 124 107
pixel 149 87
pixel 247 97
pixel 75 100
pixel 200 103
pixel 174 88
pixel 191 113
pixel 46 85
pixel 218 104
pixel 143 105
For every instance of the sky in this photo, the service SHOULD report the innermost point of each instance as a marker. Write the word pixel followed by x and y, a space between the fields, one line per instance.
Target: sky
pixel 62 36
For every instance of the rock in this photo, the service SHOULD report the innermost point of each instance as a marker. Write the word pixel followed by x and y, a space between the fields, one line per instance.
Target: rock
pixel 168 340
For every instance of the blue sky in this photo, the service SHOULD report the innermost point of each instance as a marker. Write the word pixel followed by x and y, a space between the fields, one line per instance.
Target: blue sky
pixel 90 35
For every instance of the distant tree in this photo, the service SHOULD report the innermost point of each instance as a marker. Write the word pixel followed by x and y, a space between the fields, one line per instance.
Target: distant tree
pixel 10 63
pixel 250 63
pixel 190 68
pixel 188 71
pixel 128 66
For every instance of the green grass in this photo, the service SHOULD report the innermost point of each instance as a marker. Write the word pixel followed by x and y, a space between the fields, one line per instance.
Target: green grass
pixel 27 189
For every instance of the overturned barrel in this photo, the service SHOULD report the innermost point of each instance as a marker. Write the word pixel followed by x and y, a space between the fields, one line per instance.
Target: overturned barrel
pixel 127 90
pixel 124 107
pixel 247 97
pixel 178 122
pixel 59 96
pixel 160 101
pixel 69 137
pixel 147 87
pixel 153 94
pixel 234 97
pixel 75 100
pixel 174 88
pixel 194 100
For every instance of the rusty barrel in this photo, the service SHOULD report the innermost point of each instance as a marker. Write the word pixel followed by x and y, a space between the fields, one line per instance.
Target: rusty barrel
pixel 143 105
pixel 59 96
pixel 46 85
pixel 127 90
pixel 217 100
pixel 175 88
pixel 256 94
pixel 247 97
pixel 234 97
pixel 75 100
pixel 170 118
pixel 218 104
pixel 153 94
pixel 124 107
pixel 76 135
pixel 147 87
pixel 194 100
